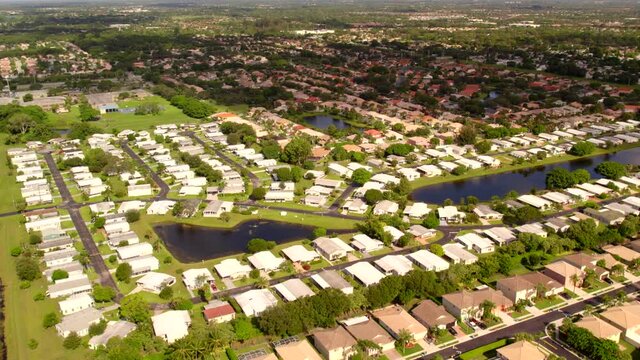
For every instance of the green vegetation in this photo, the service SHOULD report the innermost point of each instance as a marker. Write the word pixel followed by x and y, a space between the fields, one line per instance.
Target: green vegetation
pixel 484 352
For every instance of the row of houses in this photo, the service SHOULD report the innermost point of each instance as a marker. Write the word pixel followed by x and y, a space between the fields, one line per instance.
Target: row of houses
pixel 29 172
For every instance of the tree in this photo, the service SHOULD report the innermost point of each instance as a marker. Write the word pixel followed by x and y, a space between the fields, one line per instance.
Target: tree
pixel 467 135
pixel 582 148
pixel 59 274
pixel 103 293
pixel 403 188
pixel 135 308
pixel 166 293
pixel 124 272
pixel 50 319
pixel 437 249
pixel 404 338
pixel 72 341
pixel 487 309
pixel 360 176
pixel 257 244
pixel 459 170
pixel 611 169
pixel 431 221
pixel 319 232
pixel 97 329
pixel 373 196
pixel 244 329
pixel 399 149
pixel 132 216
pixel 522 216
pixel 483 147
pixel 559 178
pixel 82 130
pixel 35 239
pixel 27 269
pixel 87 113
pixel 297 151
pixel 27 97
pixel 258 194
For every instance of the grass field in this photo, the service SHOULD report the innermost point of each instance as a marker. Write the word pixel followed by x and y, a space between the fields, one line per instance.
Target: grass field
pixel 10 188
pixel 23 315
pixel 484 352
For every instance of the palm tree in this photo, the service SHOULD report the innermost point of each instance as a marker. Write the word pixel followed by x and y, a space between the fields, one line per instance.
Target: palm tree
pixel 575 279
pixel 404 338
pixel 367 349
pixel 487 308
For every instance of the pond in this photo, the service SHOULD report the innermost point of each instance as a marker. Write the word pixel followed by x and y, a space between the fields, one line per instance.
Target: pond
pixel 189 243
pixel 522 181
pixel 323 122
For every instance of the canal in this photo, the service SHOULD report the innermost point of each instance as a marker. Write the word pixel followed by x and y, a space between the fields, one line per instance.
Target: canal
pixel 522 181
pixel 189 243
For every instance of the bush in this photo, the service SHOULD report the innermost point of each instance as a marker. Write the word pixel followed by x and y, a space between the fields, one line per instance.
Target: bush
pixel 97 329
pixel 258 194
pixel 113 259
pixel 103 293
pixel 319 232
pixel 72 341
pixel 166 293
pixel 50 319
pixel 27 269
pixel 582 148
pixel 257 245
pixel 124 272
pixel 25 284
pixel 59 274
pixel 32 344
pixel 231 354
pixel 16 251
pixel 611 169
pixel 132 216
pixel 38 296
pixel 35 239
pixel 181 304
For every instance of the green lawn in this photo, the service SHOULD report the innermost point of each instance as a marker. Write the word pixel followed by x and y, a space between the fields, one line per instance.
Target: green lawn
pixel 413 349
pixel 444 338
pixel 10 188
pixel 24 315
pixel 484 352
pixel 596 286
pixel 519 314
pixel 548 302
pixel 465 328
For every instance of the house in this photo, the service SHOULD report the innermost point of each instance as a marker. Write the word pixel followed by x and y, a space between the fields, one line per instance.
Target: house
pixel 297 350
pixel 266 261
pixel 625 254
pixel 557 197
pixel 154 282
pixel 578 193
pixel 194 279
pixel 315 200
pixel 585 261
pixel 533 228
pixel 627 319
pixel 60 257
pixel 395 319
pixel 501 235
pixel 385 207
pixel 171 325
pixel 594 189
pixel 420 232
pixel 458 255
pixel 135 250
pixel 356 205
pixel 385 179
pixel 535 201
pixel 122 239
pixel 363 328
pixel 216 208
pixel 334 344
pixel 521 350
pixel 428 260
pixel 564 273
pixel 395 233
pixel 339 170
pixel 394 265
pixel 79 322
pixel 467 304
pixel 486 213
pixel 600 328
pixel 332 279
pixel 479 244
pixel 625 209
pixel 300 254
pixel 518 288
pixel 558 224
pixel 139 190
pixel 365 244
pixel 409 173
pixel 160 207
pixel 73 269
pixel 254 302
pixel 433 316
pixel 450 214
pixel 143 264
pixel 364 272
pixel 114 329
pixel 218 311
pixel 232 269
pixel 131 205
pixel 279 196
pixel 75 303
pixel 293 289
pixel 331 248
pixel 417 210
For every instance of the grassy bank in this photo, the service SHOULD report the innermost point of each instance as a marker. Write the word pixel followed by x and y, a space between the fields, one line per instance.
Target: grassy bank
pixel 426 181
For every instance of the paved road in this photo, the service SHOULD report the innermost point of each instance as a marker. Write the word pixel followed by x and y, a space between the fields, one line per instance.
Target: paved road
pixel 255 180
pixel 533 325
pixel 97 262
pixel 164 188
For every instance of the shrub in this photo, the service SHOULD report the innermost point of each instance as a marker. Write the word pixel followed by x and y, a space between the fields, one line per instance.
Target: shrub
pixel 72 341
pixel 16 251
pixel 59 274
pixel 166 293
pixel 38 297
pixel 124 272
pixel 50 319
pixel 132 216
pixel 97 329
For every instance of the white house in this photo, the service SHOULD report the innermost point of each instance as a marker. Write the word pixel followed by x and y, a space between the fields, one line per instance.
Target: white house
pixel 394 265
pixel 265 260
pixel 195 278
pixel 171 325
pixel 331 248
pixel 428 260
pixel 255 302
pixel 473 241
pixel 364 272
pixel 450 214
pixel 154 282
pixel 76 303
pixel 139 190
pixel 535 201
pixel 79 322
pixel 365 244
pixel 417 210
pixel 135 250
pixel 298 253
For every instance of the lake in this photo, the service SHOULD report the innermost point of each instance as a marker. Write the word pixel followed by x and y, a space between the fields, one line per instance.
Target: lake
pixel 522 181
pixel 323 122
pixel 189 243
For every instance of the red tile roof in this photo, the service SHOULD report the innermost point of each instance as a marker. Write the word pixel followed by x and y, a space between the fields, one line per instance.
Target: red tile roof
pixel 219 311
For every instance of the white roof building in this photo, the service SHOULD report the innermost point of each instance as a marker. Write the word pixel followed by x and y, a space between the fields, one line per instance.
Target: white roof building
pixel 171 325
pixel 195 278
pixel 428 260
pixel 364 243
pixel 118 329
pixel 254 302
pixel 473 241
pixel 557 197
pixel 160 207
pixel 458 254
pixel 364 272
pixel 394 232
pixel 417 210
pixel 385 179
pixel 394 265
pixel 298 253
pixel 135 250
pixel 155 282
pixel 265 260
pixel 578 193
pixel 293 289
pixel 232 268
pixel 331 248
pixel 535 201
pixel 76 303
pixel 79 322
